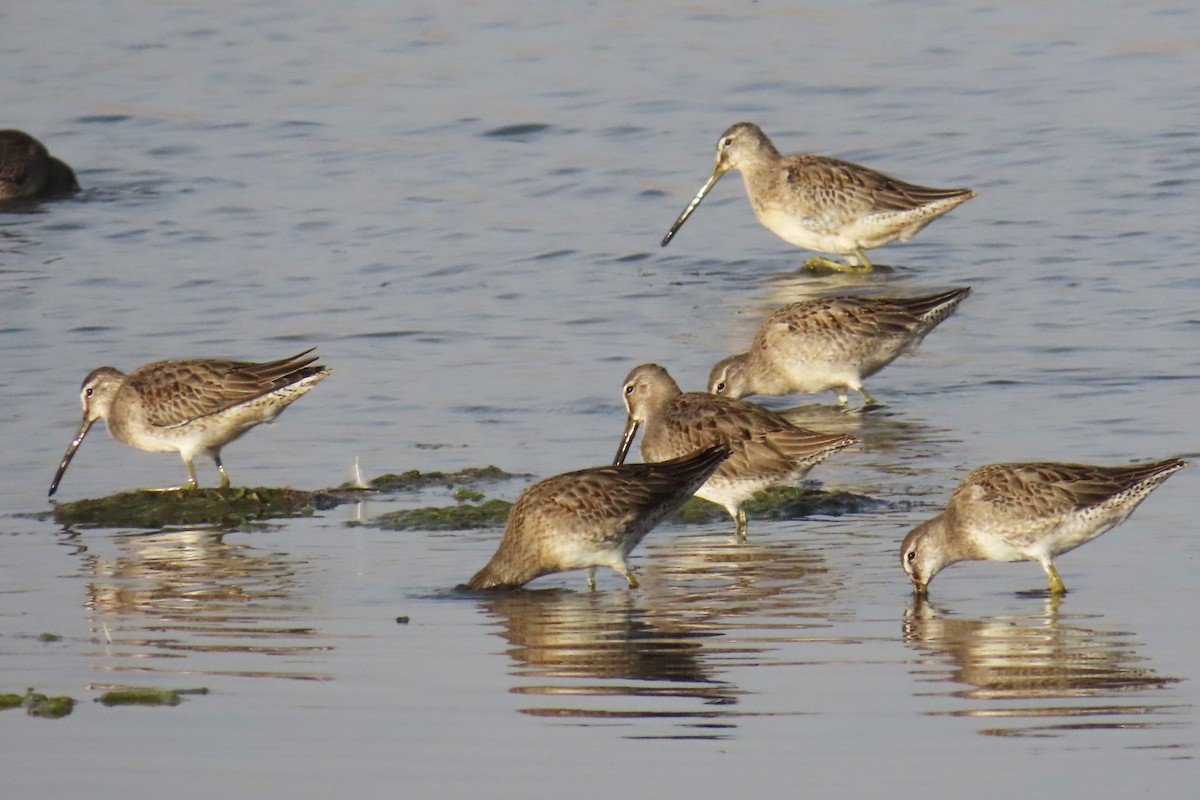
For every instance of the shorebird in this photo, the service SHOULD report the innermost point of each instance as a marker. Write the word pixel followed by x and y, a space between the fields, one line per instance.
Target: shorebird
pixel 765 448
pixel 592 518
pixel 820 203
pixel 1028 512
pixel 28 170
pixel 190 407
pixel 831 343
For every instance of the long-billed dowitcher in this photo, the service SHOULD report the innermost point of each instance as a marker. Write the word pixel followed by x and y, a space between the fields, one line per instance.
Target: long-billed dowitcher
pixel 28 170
pixel 592 518
pixel 765 448
pixel 190 407
pixel 830 343
pixel 1028 512
pixel 821 203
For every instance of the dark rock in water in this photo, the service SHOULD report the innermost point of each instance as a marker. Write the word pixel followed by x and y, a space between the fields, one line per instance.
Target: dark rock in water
pixel 27 170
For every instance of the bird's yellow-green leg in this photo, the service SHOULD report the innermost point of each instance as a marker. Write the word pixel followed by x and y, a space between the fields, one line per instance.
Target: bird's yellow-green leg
pixel 820 262
pixel 221 470
pixel 591 578
pixel 1056 584
pixel 863 265
pixel 739 523
pixel 867 398
pixel 192 483
pixel 1053 601
pixel 629 576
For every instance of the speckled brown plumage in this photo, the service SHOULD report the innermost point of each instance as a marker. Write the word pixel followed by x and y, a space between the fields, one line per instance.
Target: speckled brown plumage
pixel 830 343
pixel 765 448
pixel 192 407
pixel 28 170
pixel 820 203
pixel 175 392
pixel 1028 512
pixel 590 518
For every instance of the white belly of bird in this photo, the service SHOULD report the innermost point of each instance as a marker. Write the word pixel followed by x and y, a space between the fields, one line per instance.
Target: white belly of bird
pixel 575 553
pixel 800 232
pixel 818 375
pixel 1069 532
pixel 724 491
pixel 196 436
pixel 180 439
pixel 995 547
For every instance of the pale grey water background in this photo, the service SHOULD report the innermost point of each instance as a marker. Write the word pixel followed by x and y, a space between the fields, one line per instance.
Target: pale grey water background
pixel 461 205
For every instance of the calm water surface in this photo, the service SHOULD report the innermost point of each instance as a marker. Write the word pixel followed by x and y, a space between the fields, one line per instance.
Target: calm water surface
pixel 460 204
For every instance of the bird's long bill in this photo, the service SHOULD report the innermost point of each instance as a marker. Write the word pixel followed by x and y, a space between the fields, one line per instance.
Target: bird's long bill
pixel 920 589
pixel 631 428
pixel 84 427
pixel 719 170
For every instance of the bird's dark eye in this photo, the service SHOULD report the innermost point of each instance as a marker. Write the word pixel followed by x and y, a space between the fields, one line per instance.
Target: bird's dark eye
pixel 90 391
pixel 728 141
pixel 912 556
pixel 629 389
pixel 720 387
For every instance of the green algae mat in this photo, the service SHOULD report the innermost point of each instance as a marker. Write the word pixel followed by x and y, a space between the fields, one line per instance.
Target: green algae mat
pixel 778 502
pixel 228 508
pixel 37 704
pixel 237 506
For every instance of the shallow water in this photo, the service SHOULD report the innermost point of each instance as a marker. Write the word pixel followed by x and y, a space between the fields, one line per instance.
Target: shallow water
pixel 461 206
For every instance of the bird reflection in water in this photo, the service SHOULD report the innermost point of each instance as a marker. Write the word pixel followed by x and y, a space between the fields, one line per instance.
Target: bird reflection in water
pixel 1047 667
pixel 664 652
pixel 189 602
pixel 882 430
